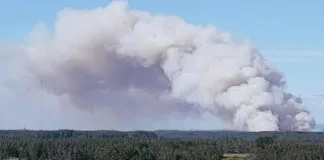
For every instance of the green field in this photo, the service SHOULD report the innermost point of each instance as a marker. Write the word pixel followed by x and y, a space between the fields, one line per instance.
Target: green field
pixel 235 156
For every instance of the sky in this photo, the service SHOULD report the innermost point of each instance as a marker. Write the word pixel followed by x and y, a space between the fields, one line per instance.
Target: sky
pixel 288 33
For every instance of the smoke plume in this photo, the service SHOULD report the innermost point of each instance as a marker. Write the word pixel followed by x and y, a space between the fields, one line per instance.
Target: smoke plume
pixel 135 64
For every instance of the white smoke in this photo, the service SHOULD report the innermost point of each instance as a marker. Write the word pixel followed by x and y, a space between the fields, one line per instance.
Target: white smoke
pixel 135 64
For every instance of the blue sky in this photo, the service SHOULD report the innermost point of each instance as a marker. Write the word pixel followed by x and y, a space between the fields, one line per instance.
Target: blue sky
pixel 289 33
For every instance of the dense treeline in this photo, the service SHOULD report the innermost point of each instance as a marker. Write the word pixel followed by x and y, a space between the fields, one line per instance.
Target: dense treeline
pixel 141 145
pixel 110 149
pixel 219 135
pixel 291 151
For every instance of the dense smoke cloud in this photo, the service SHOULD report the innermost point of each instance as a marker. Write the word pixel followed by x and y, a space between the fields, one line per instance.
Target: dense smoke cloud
pixel 135 64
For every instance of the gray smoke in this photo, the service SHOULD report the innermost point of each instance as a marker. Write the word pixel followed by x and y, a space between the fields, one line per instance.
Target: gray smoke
pixel 136 64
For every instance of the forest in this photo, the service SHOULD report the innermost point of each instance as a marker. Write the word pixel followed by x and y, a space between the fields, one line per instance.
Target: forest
pixel 160 145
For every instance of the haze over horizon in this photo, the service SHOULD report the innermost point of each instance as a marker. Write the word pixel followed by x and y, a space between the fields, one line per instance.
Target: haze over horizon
pixel 76 63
